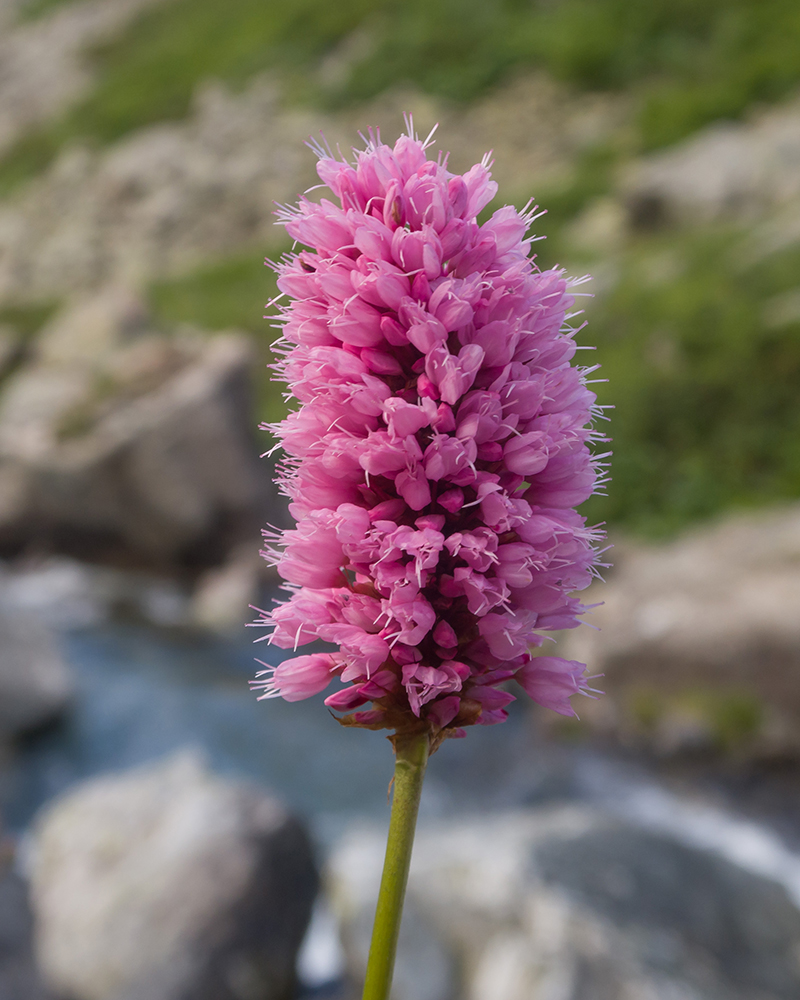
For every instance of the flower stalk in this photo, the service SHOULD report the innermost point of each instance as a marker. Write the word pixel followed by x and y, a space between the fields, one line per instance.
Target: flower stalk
pixel 410 762
pixel 442 441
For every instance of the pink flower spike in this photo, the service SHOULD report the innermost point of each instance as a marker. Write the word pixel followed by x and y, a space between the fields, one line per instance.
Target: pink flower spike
pixel 439 445
pixel 346 700
pixel 442 712
pixel 551 682
pixel 296 679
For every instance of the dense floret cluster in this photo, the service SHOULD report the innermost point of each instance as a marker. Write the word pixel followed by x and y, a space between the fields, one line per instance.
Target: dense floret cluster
pixel 441 445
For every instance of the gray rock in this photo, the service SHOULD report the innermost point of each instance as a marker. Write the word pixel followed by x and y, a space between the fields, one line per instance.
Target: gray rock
pixel 690 913
pixel 160 200
pixel 43 66
pixel 167 197
pixel 225 594
pixel 425 968
pixel 120 445
pixel 90 329
pixel 570 904
pixel 170 884
pixel 19 977
pixel 699 639
pixel 35 684
pixel 728 170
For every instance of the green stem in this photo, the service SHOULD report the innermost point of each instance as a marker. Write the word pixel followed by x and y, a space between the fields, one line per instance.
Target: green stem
pixel 411 759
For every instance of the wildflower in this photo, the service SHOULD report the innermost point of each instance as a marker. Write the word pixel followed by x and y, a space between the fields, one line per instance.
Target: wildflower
pixel 440 447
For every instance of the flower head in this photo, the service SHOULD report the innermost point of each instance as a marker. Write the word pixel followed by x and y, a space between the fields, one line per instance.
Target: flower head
pixel 441 443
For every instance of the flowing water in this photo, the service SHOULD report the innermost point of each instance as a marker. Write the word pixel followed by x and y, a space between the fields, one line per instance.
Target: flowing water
pixel 144 692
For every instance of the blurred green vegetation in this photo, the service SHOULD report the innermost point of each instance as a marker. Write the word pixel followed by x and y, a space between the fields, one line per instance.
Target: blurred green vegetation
pixel 27 318
pixel 702 369
pixel 702 359
pixel 685 63
pixel 699 342
pixel 150 72
pixel 231 293
pixel 33 9
pixel 23 322
pixel 703 365
pixel 732 718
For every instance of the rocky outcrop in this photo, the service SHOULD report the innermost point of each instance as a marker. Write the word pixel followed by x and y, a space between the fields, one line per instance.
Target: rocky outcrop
pixel 19 977
pixel 699 639
pixel 123 445
pixel 169 884
pixel 167 197
pixel 41 66
pixel 35 684
pixel 158 201
pixel 569 904
pixel 224 593
pixel 63 593
pixel 729 170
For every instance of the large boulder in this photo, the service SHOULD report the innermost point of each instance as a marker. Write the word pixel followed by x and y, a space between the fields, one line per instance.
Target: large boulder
pixel 170 884
pixel 224 593
pixel 569 903
pixel 122 445
pixel 730 170
pixel 19 977
pixel 35 683
pixel 699 638
pixel 425 968
pixel 43 60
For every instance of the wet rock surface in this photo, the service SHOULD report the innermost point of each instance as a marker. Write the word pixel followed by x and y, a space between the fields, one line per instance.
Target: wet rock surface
pixel 125 446
pixel 710 622
pixel 170 883
pixel 726 171
pixel 19 976
pixel 571 903
pixel 35 684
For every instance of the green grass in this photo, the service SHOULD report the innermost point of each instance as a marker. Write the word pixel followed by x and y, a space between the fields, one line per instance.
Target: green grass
pixel 150 72
pixel 731 717
pixel 707 412
pixel 27 319
pixel 25 322
pixel 706 409
pixel 685 63
pixel 229 293
pixel 33 9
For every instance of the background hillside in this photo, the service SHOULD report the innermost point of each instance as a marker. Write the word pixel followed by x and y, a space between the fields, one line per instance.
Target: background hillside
pixel 144 145
pixel 147 147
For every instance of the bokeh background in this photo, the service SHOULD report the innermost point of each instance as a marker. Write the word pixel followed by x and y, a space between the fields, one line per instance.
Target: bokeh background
pixel 648 851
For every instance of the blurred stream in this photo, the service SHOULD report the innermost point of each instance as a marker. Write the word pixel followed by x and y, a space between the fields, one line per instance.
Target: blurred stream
pixel 144 692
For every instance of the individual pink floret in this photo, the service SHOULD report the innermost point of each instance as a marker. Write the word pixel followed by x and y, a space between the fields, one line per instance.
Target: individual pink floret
pixel 442 442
